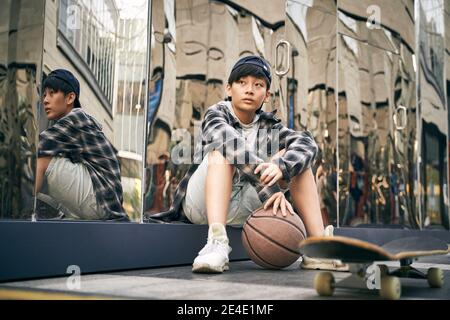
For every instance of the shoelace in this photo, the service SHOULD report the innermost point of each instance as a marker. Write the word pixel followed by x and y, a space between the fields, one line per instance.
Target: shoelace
pixel 214 245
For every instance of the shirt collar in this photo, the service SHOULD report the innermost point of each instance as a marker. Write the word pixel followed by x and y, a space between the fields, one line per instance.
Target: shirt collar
pixel 261 115
pixel 269 115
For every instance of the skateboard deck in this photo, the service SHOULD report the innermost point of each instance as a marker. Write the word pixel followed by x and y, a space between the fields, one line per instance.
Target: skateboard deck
pixel 354 250
pixel 361 255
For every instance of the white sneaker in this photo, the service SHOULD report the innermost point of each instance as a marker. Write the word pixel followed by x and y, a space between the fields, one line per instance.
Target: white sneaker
pixel 213 258
pixel 324 264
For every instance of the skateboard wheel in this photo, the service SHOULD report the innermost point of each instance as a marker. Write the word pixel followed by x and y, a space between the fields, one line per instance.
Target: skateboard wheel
pixel 324 284
pixel 435 277
pixel 390 288
pixel 384 270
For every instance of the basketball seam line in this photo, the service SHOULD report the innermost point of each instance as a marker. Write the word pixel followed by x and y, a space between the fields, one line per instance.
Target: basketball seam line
pixel 275 217
pixel 274 241
pixel 256 254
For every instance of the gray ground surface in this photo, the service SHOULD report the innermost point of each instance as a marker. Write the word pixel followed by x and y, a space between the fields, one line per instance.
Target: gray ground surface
pixel 245 280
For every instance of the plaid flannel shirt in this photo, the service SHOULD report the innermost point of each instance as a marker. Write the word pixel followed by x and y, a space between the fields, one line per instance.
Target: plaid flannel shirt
pixel 78 137
pixel 220 130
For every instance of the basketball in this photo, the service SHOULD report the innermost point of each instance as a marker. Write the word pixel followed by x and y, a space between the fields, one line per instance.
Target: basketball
pixel 272 241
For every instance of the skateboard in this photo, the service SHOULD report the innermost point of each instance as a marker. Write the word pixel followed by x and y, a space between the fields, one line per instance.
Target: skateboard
pixel 361 257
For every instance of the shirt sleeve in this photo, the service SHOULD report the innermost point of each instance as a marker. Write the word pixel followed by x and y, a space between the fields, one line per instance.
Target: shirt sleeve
pixel 61 139
pixel 221 136
pixel 301 151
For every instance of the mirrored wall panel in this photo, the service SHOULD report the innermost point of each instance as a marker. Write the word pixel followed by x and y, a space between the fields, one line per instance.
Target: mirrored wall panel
pixel 377 134
pixel 194 46
pixel 21 39
pixel 433 111
pixel 447 84
pixel 90 156
pixel 309 89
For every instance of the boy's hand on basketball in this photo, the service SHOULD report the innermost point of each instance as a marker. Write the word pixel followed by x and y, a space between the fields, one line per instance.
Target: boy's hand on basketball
pixel 278 200
pixel 271 173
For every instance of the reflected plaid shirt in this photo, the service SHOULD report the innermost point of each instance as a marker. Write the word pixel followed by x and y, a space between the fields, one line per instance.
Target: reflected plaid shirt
pixel 78 137
pixel 220 130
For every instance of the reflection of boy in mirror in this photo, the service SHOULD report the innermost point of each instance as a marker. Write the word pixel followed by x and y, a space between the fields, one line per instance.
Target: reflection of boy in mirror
pixel 221 190
pixel 75 159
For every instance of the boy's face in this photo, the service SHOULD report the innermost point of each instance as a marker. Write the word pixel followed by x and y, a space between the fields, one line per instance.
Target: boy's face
pixel 248 93
pixel 56 104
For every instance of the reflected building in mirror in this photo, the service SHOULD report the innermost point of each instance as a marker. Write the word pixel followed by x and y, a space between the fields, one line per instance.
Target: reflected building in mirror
pixel 104 44
pixel 21 49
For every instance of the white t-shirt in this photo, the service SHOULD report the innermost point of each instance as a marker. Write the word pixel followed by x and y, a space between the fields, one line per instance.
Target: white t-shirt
pixel 249 131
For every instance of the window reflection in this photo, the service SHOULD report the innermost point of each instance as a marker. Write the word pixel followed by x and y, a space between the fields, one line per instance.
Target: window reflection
pixel 90 27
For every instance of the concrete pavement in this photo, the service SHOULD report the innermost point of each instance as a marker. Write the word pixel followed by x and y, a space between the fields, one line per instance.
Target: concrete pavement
pixel 244 281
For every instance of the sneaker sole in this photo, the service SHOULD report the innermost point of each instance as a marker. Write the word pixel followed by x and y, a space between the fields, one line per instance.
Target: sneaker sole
pixel 206 268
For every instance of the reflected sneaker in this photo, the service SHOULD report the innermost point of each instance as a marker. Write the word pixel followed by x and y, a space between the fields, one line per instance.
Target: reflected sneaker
pixel 213 258
pixel 324 264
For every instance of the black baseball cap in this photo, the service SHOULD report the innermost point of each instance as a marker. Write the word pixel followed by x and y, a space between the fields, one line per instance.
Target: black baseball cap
pixel 257 61
pixel 70 80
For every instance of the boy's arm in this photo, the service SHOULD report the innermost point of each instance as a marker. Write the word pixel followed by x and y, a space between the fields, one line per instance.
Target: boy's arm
pixel 301 151
pixel 41 168
pixel 224 138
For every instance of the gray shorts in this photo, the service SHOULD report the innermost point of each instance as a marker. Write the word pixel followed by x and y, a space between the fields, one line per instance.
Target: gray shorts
pixel 244 198
pixel 70 185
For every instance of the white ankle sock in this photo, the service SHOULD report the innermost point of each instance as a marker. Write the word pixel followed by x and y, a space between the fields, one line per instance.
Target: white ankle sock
pixel 217 231
pixel 329 231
